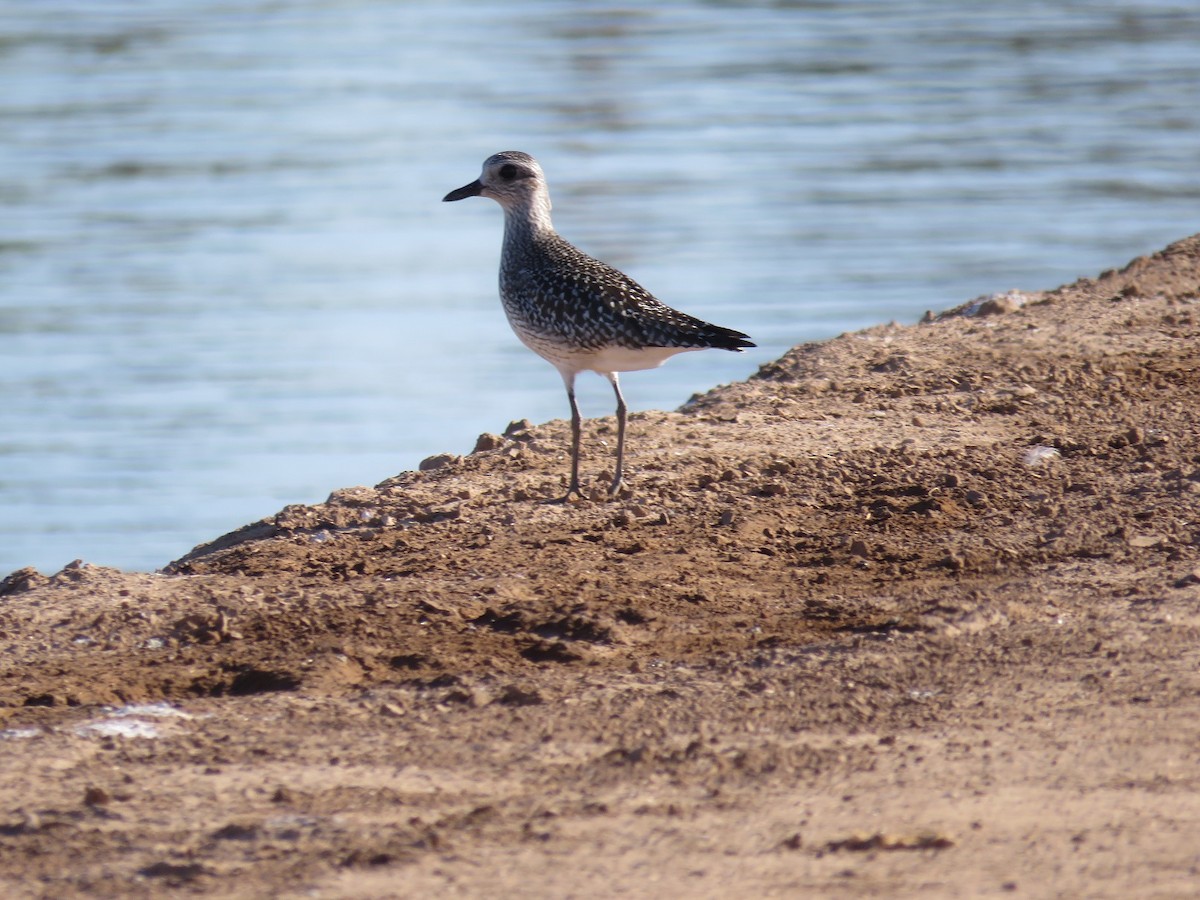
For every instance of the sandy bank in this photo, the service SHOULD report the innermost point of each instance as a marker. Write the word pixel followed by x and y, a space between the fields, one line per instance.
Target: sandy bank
pixel 912 612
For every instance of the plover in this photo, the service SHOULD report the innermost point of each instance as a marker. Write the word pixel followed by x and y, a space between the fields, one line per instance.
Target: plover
pixel 574 311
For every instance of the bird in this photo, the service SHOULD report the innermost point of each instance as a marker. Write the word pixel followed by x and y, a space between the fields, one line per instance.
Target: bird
pixel 576 312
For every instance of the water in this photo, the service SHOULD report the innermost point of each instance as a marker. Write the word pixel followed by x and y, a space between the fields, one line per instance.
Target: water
pixel 227 282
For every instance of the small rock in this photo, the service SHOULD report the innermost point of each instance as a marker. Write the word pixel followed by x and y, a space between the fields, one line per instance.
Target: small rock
pixel 1039 455
pixel 488 441
pixel 96 796
pixel 45 700
pixel 437 513
pixel 353 496
pixel 76 570
pixel 210 627
pixel 997 304
pixel 1145 540
pixel 22 580
pixel 550 651
pixel 515 695
pixel 237 831
pixel 952 561
pixel 437 461
pixel 173 871
pixel 1192 577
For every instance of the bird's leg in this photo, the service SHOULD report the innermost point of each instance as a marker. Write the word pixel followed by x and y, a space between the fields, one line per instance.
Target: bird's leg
pixel 576 434
pixel 618 482
pixel 573 491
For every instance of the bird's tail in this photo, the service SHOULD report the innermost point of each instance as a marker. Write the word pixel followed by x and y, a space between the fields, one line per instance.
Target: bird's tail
pixel 727 339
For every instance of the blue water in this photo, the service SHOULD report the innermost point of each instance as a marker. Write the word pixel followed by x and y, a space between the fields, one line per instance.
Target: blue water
pixel 227 281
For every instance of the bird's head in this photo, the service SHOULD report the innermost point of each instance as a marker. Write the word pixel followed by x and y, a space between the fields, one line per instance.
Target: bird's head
pixel 511 178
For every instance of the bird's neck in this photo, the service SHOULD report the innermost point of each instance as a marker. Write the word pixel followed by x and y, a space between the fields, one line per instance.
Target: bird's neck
pixel 528 221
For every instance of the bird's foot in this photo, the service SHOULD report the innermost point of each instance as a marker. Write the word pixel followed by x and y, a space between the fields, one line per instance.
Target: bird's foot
pixel 618 490
pixel 573 495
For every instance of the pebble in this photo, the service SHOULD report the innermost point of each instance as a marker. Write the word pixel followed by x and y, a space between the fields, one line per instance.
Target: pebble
pixel 488 441
pixel 1039 455
pixel 437 461
pixel 515 695
pixel 26 579
pixel 1192 577
pixel 1145 540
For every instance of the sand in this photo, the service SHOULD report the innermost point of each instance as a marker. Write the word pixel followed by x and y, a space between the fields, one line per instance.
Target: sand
pixel 912 612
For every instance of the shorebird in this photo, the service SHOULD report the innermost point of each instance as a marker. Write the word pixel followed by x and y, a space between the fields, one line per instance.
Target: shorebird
pixel 576 312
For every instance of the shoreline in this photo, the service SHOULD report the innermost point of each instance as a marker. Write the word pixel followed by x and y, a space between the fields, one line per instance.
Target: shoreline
pixel 912 610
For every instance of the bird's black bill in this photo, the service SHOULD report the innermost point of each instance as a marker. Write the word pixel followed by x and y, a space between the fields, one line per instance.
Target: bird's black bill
pixel 474 189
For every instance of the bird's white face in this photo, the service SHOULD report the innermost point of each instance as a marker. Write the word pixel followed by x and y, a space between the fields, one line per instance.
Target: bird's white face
pixel 510 178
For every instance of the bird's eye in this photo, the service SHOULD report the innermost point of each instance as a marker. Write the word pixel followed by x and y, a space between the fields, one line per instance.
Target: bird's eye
pixel 508 171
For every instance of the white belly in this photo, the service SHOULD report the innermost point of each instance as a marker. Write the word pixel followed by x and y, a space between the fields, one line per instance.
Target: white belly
pixel 605 360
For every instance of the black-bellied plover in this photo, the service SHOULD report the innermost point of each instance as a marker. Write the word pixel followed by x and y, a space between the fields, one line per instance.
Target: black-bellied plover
pixel 574 311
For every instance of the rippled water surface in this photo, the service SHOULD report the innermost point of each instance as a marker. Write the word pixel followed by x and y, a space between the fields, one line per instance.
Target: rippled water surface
pixel 227 281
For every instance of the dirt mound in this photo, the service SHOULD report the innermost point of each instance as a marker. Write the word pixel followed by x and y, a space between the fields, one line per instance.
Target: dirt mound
pixel 910 611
